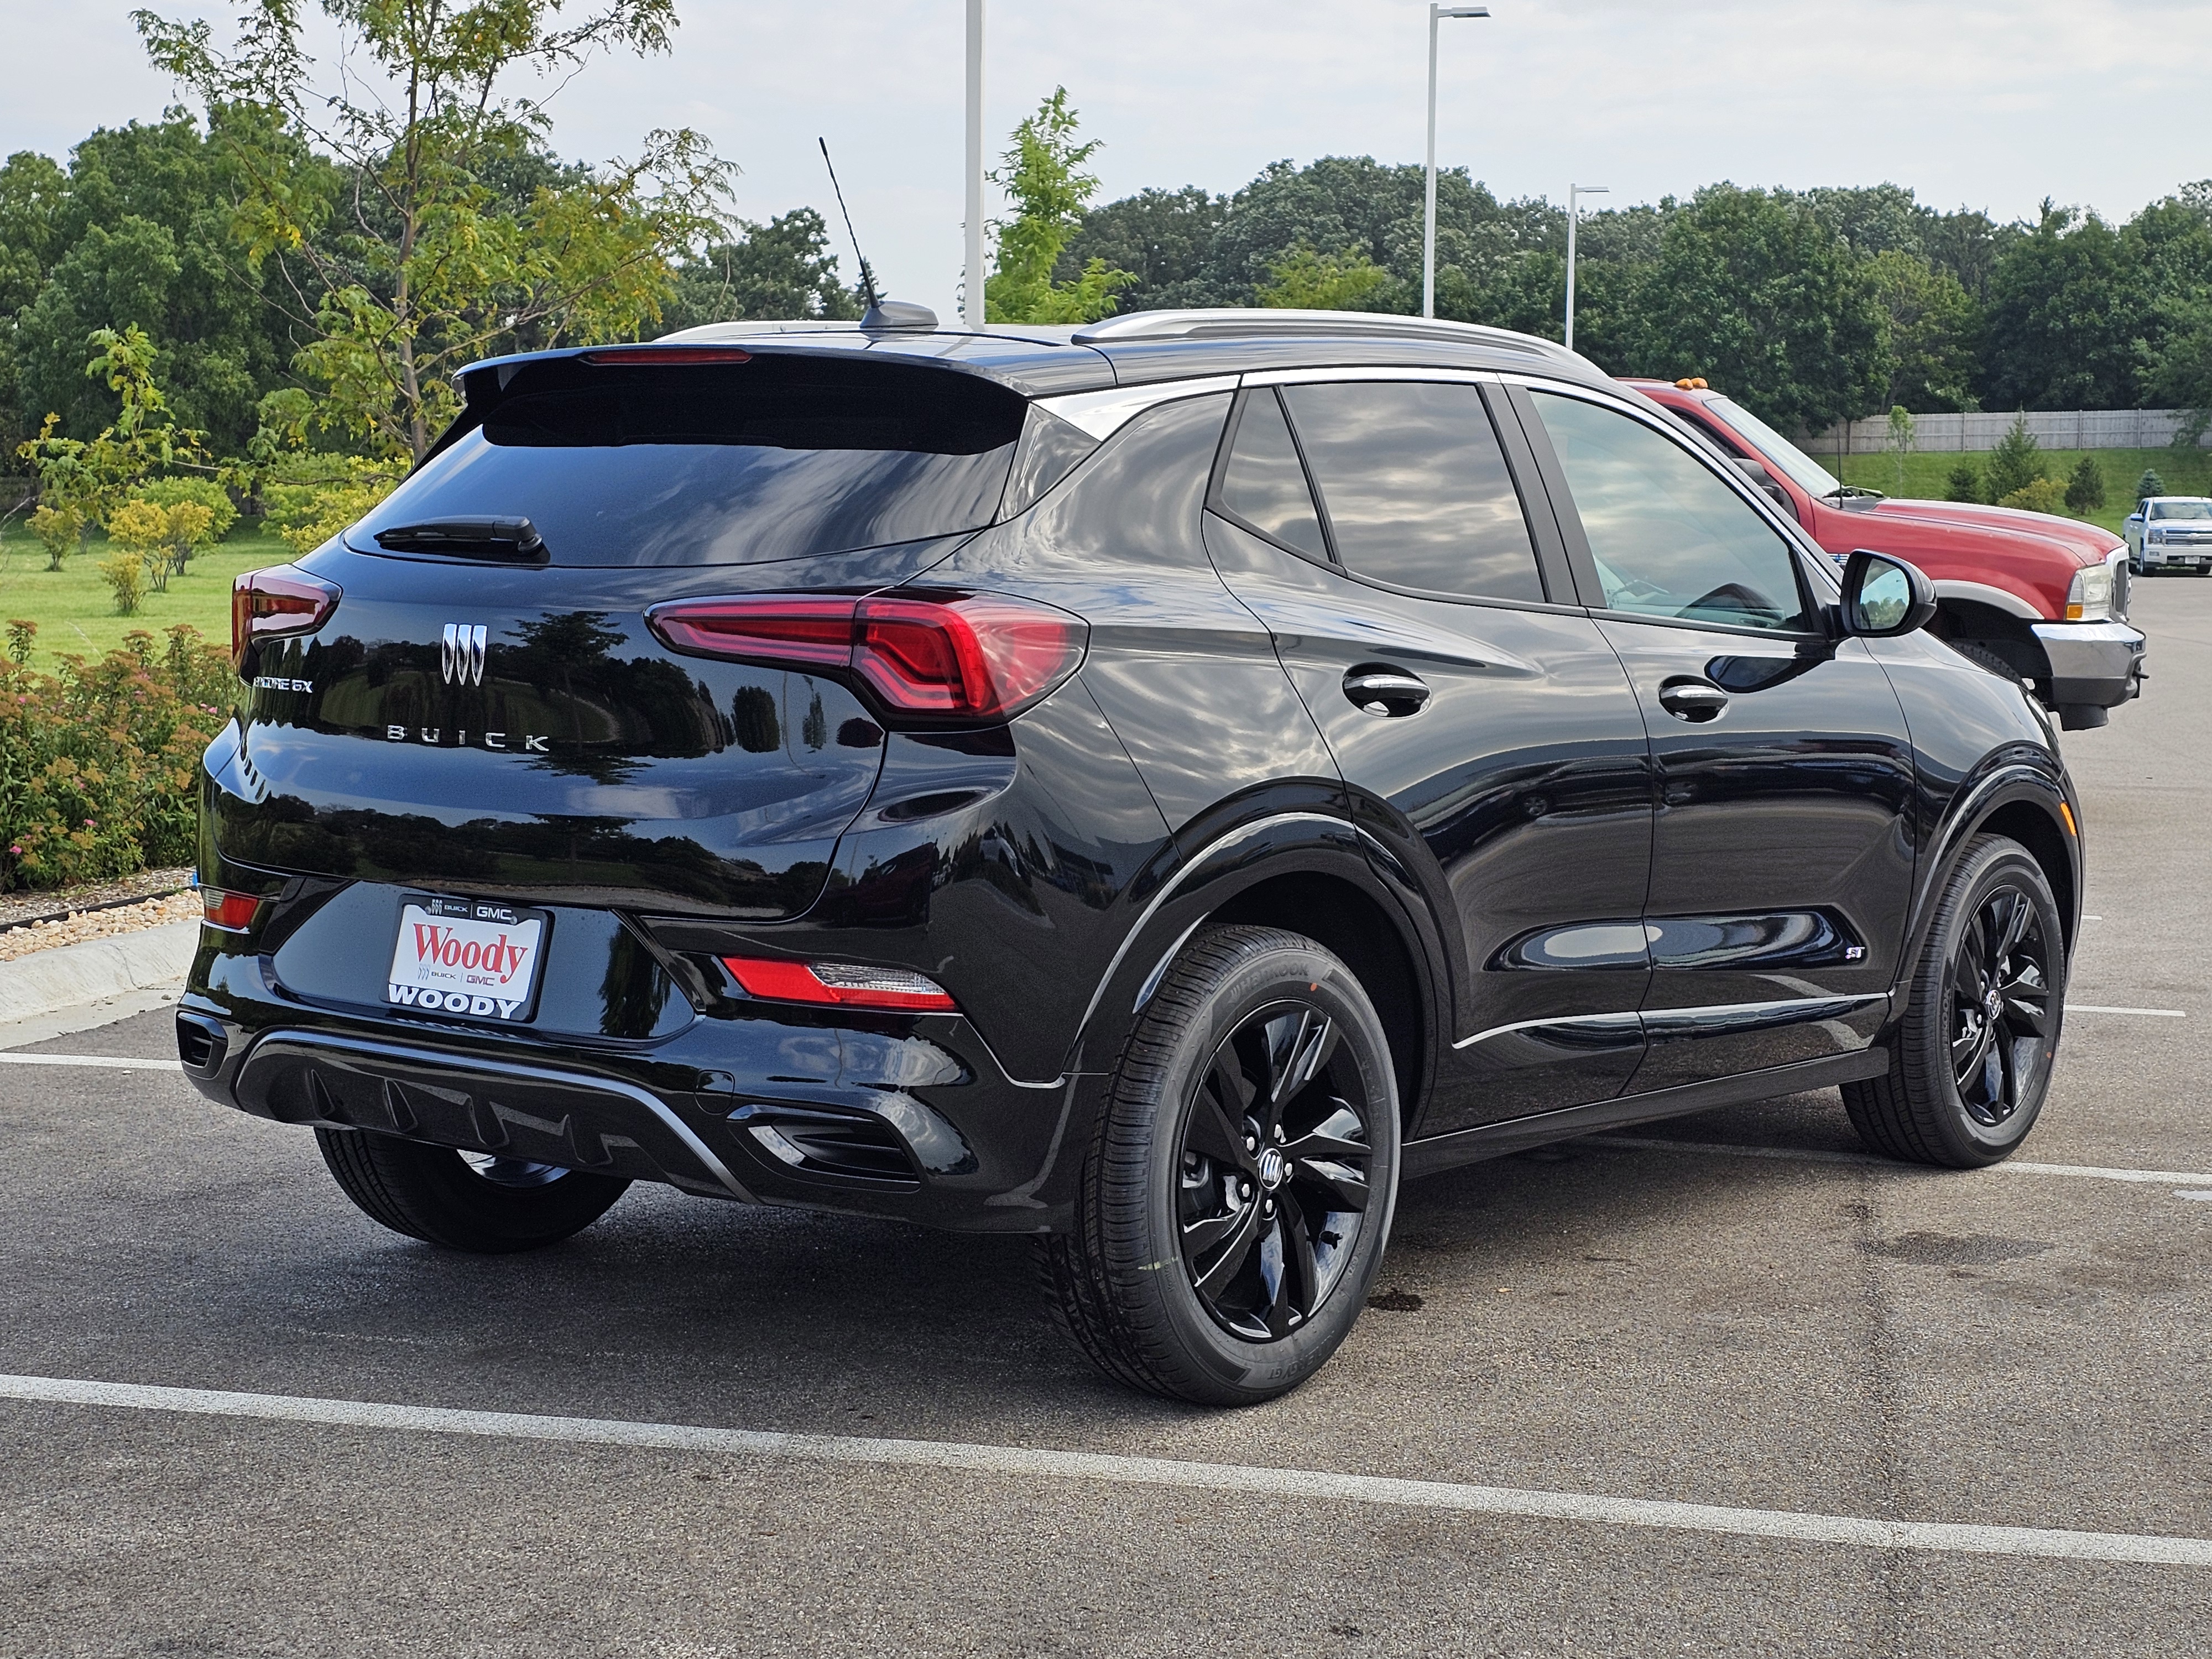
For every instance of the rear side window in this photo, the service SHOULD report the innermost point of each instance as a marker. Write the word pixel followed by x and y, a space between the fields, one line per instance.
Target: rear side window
pixel 783 457
pixel 1264 484
pixel 1415 487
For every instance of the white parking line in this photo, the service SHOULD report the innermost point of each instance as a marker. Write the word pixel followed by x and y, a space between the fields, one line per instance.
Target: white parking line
pixel 111 1062
pixel 1815 1155
pixel 2146 1013
pixel 1313 1485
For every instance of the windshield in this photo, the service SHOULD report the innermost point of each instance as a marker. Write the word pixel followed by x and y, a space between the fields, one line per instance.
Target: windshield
pixel 1808 474
pixel 2181 509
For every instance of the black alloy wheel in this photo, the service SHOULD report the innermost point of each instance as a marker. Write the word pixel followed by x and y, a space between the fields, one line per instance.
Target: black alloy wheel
pixel 1237 1197
pixel 1273 1183
pixel 1970 1056
pixel 2000 983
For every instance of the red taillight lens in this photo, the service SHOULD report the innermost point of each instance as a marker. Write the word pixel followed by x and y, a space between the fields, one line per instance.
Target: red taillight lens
pixel 232 912
pixel 267 604
pixel 839 985
pixel 655 357
pixel 949 658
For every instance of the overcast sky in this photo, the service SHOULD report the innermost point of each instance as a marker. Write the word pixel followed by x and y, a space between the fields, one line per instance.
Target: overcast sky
pixel 2092 102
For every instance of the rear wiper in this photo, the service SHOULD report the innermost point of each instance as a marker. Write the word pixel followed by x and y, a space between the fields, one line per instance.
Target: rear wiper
pixel 512 541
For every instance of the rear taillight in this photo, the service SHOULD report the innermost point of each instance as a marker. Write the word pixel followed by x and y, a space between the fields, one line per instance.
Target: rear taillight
pixel 232 912
pixel 935 658
pixel 267 604
pixel 839 985
pixel 658 357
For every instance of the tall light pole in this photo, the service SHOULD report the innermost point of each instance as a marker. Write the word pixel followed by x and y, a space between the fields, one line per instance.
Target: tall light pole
pixel 1429 224
pixel 1575 193
pixel 972 291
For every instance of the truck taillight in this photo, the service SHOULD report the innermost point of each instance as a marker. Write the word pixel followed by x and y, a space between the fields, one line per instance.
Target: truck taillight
pixel 268 605
pixel 939 658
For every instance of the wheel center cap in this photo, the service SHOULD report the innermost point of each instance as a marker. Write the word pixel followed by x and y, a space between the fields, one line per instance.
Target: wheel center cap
pixel 1273 1167
pixel 1994 1004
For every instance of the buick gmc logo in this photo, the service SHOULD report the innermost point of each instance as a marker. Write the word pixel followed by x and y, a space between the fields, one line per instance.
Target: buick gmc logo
pixel 462 655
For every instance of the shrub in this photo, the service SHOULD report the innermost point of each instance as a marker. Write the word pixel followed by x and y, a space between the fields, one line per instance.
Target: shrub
pixel 125 573
pixel 59 530
pixel 2085 487
pixel 2149 484
pixel 2016 462
pixel 308 511
pixel 1963 483
pixel 2037 495
pixel 170 492
pixel 98 761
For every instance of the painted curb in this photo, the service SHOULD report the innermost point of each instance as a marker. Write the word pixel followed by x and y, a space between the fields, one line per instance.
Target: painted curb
pixel 70 975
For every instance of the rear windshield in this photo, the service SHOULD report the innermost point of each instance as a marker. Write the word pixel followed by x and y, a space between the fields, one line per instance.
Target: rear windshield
pixel 782 457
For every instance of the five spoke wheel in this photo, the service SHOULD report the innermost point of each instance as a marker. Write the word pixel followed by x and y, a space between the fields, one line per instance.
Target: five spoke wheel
pixel 1273 1180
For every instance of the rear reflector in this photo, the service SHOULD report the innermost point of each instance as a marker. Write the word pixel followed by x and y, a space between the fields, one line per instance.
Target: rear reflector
pixel 232 912
pixel 923 658
pixel 839 985
pixel 267 604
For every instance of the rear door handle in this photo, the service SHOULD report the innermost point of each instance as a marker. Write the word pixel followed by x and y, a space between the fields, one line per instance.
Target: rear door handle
pixel 1386 691
pixel 1694 700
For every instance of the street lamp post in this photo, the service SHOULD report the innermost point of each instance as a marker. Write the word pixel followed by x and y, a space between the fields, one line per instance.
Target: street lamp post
pixel 1575 193
pixel 1429 224
pixel 972 290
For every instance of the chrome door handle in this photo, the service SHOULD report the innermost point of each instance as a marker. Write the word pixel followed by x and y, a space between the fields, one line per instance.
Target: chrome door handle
pixel 1386 691
pixel 1694 700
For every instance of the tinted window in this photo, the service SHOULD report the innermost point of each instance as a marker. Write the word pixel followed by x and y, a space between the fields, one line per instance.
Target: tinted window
pixel 780 457
pixel 1669 538
pixel 1264 484
pixel 1416 487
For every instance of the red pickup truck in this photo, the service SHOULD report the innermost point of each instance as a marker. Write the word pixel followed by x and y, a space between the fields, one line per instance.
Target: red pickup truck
pixel 2029 595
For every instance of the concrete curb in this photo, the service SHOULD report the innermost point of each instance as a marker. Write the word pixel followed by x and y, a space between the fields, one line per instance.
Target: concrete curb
pixel 70 975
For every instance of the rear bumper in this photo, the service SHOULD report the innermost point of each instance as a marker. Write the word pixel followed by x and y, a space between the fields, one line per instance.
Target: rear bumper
pixel 909 1118
pixel 2096 665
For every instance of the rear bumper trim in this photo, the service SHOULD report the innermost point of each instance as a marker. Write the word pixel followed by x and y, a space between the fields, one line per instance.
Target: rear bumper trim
pixel 387 1063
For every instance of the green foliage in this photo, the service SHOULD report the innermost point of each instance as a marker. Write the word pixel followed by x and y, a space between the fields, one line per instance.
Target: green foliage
pixel 90 475
pixel 1963 483
pixel 1163 238
pixel 780 270
pixel 1752 292
pixel 2085 487
pixel 1305 280
pixel 127 575
pixel 1899 442
pixel 2067 303
pixel 222 514
pixel 2149 484
pixel 316 496
pixel 1928 331
pixel 2037 495
pixel 2016 462
pixel 60 531
pixel 427 230
pixel 97 761
pixel 1043 171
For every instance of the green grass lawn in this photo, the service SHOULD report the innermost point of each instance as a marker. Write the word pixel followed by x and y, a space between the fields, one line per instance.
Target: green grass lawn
pixel 76 611
pixel 1925 474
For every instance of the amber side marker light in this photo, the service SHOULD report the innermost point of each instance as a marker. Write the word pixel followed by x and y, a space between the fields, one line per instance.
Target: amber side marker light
pixel 232 912
pixel 2067 812
pixel 840 984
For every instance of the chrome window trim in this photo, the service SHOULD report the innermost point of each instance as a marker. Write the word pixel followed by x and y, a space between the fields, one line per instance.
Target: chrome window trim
pixel 1343 374
pixel 1101 414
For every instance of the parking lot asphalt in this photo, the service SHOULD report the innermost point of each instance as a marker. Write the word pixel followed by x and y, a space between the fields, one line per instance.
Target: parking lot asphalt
pixel 1736 1309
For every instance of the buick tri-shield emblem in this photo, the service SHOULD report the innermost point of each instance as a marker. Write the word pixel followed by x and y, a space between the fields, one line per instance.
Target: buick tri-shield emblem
pixel 462 656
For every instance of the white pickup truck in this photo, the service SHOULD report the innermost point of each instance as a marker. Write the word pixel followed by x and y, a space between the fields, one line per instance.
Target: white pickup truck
pixel 2169 532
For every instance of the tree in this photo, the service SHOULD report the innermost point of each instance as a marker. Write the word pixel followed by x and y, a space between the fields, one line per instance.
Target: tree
pixel 1963 483
pixel 437 232
pixel 2066 304
pixel 85 477
pixel 2149 484
pixel 2085 487
pixel 1755 293
pixel 1305 280
pixel 2016 462
pixel 1899 442
pixel 1929 326
pixel 1162 237
pixel 780 270
pixel 1043 171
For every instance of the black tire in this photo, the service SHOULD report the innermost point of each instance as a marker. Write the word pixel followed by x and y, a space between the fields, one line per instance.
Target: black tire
pixel 1988 659
pixel 437 1195
pixel 1922 1111
pixel 1172 1187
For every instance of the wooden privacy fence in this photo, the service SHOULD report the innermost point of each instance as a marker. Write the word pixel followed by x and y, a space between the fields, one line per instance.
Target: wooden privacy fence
pixel 2054 429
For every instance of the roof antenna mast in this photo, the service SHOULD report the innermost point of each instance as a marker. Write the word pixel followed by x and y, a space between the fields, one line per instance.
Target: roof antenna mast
pixel 881 313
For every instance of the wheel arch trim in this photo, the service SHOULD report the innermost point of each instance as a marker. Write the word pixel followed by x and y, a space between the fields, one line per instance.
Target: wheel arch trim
pixel 2012 783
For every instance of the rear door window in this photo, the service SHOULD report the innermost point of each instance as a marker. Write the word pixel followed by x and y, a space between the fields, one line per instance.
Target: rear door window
pixel 786 456
pixel 1264 486
pixel 1414 487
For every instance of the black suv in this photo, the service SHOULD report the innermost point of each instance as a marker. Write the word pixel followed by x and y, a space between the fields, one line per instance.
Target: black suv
pixel 1151 787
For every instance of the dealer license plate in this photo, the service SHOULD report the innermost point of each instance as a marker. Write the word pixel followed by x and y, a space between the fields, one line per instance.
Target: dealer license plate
pixel 474 957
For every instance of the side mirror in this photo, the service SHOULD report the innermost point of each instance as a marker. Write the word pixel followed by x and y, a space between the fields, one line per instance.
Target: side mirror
pixel 1759 476
pixel 1885 596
